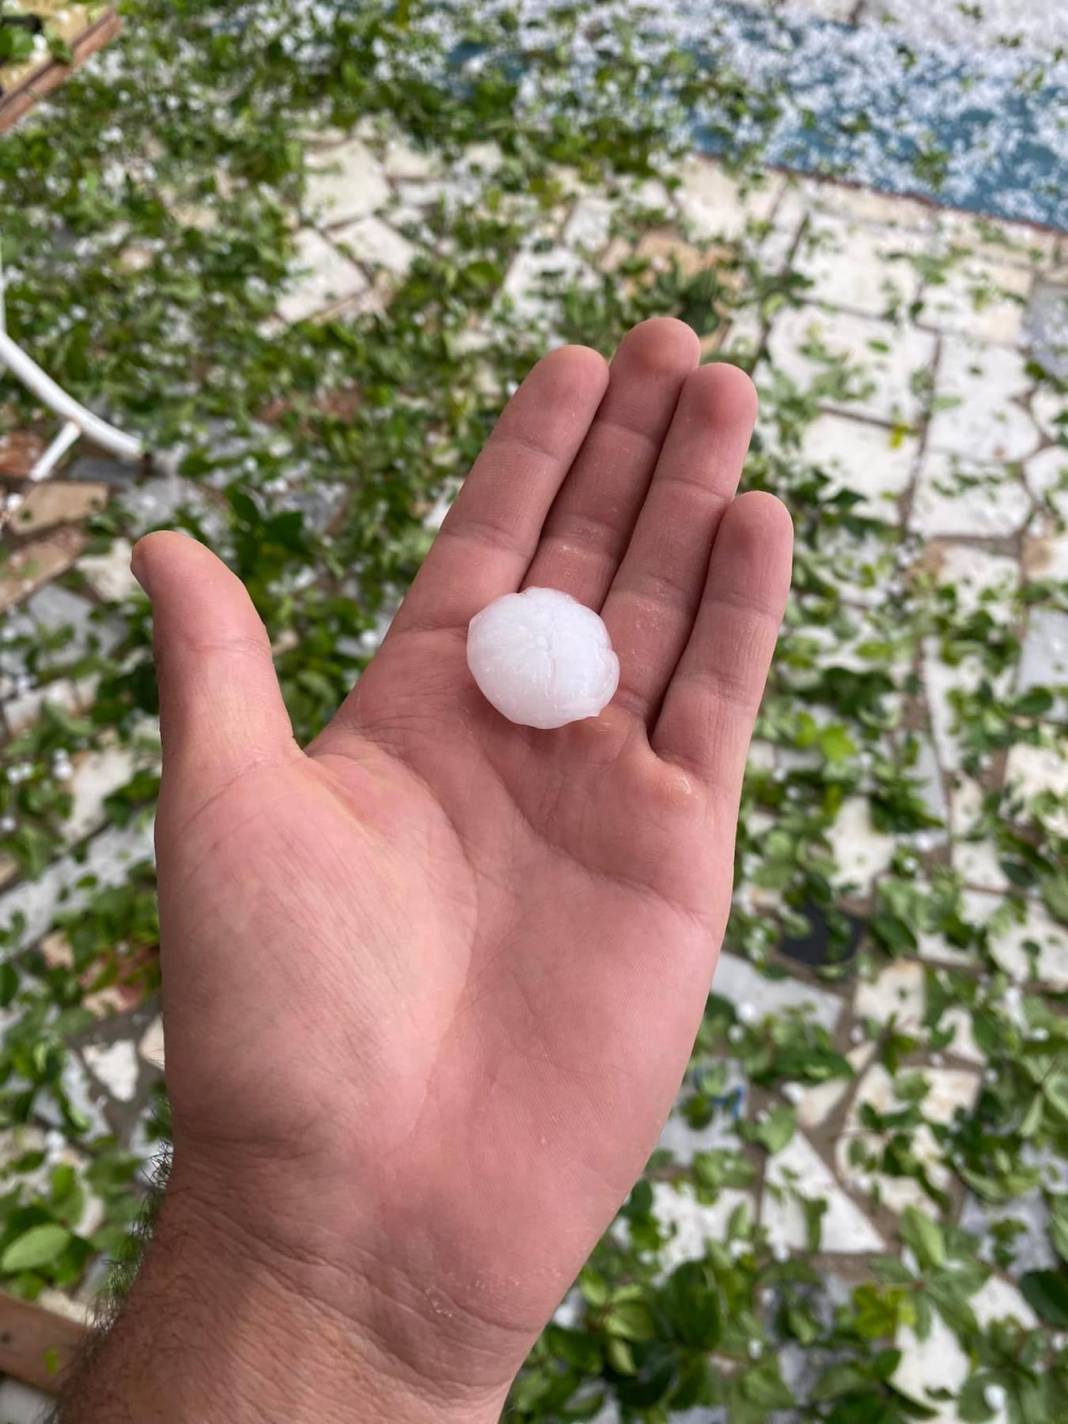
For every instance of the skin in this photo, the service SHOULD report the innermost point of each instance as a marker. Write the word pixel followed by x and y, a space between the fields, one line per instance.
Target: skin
pixel 430 984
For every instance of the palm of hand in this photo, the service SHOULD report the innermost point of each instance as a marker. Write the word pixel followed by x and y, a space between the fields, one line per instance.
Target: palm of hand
pixel 441 971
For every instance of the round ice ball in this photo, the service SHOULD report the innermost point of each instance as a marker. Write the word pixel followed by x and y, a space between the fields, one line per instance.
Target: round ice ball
pixel 542 658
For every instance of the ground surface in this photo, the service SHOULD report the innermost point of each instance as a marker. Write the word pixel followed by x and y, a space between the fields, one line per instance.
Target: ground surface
pixel 313 313
pixel 35 32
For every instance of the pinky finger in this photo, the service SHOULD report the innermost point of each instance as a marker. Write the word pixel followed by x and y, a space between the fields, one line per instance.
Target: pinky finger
pixel 711 704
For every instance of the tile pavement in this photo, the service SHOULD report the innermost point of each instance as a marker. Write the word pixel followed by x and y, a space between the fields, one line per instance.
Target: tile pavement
pixel 926 407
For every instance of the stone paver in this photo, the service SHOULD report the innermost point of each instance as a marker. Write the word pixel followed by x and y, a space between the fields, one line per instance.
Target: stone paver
pixel 36 563
pixel 754 994
pixel 870 459
pixel 326 278
pixel 373 242
pixel 799 1171
pixel 713 206
pixel 19 452
pixel 345 183
pixel 895 995
pixel 692 1223
pixel 57 502
pixel 983 300
pixel 534 277
pixel 979 392
pixel 150 1046
pixel 116 1066
pixel 19 1404
pixel 1035 949
pixel 109 575
pixel 590 224
pixel 1033 772
pixel 860 851
pixel 974 855
pixel 95 776
pixel 864 269
pixel 980 579
pixel 955 496
pixel 856 364
pixel 1044 659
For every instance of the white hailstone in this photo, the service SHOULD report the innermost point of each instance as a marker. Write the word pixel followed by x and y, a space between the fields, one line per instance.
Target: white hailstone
pixel 7 824
pixel 754 1348
pixel 747 1013
pixel 542 658
pixel 856 1034
pixel 735 1033
pixel 793 1092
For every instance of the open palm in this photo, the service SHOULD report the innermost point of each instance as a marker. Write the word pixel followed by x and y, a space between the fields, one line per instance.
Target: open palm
pixel 431 984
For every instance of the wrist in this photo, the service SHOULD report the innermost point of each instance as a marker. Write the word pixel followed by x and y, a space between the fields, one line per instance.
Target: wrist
pixel 221 1324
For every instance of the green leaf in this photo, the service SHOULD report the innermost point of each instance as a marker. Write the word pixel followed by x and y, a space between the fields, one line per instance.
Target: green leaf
pixel 1035 703
pixel 576 1347
pixel 9 983
pixel 1055 1088
pixel 814 1210
pixel 925 1237
pixel 1032 1118
pixel 691 1304
pixel 59 49
pixel 693 1384
pixel 764 1385
pixel 836 744
pixel 630 1320
pixel 844 1378
pixel 620 1356
pixel 1046 1292
pixel 37 1247
pixel 593 1286
pixel 1059 1225
pixel 1055 897
pixel 776 1129
pixel 16 44
pixel 64 1181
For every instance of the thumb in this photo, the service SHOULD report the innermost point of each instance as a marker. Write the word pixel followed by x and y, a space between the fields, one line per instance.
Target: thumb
pixel 221 709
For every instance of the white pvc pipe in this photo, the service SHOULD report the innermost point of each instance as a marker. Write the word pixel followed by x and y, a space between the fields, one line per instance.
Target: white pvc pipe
pixel 55 452
pixel 125 447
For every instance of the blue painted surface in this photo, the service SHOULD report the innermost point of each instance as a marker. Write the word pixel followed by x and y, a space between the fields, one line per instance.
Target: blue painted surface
pixel 863 105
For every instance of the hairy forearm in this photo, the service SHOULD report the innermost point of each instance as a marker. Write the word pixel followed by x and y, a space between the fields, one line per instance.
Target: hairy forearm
pixel 209 1333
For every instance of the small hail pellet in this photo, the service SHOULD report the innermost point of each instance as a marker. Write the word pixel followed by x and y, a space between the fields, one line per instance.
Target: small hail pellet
pixel 542 658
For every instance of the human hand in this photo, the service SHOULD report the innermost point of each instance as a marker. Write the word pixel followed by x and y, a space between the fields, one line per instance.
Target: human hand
pixel 431 984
